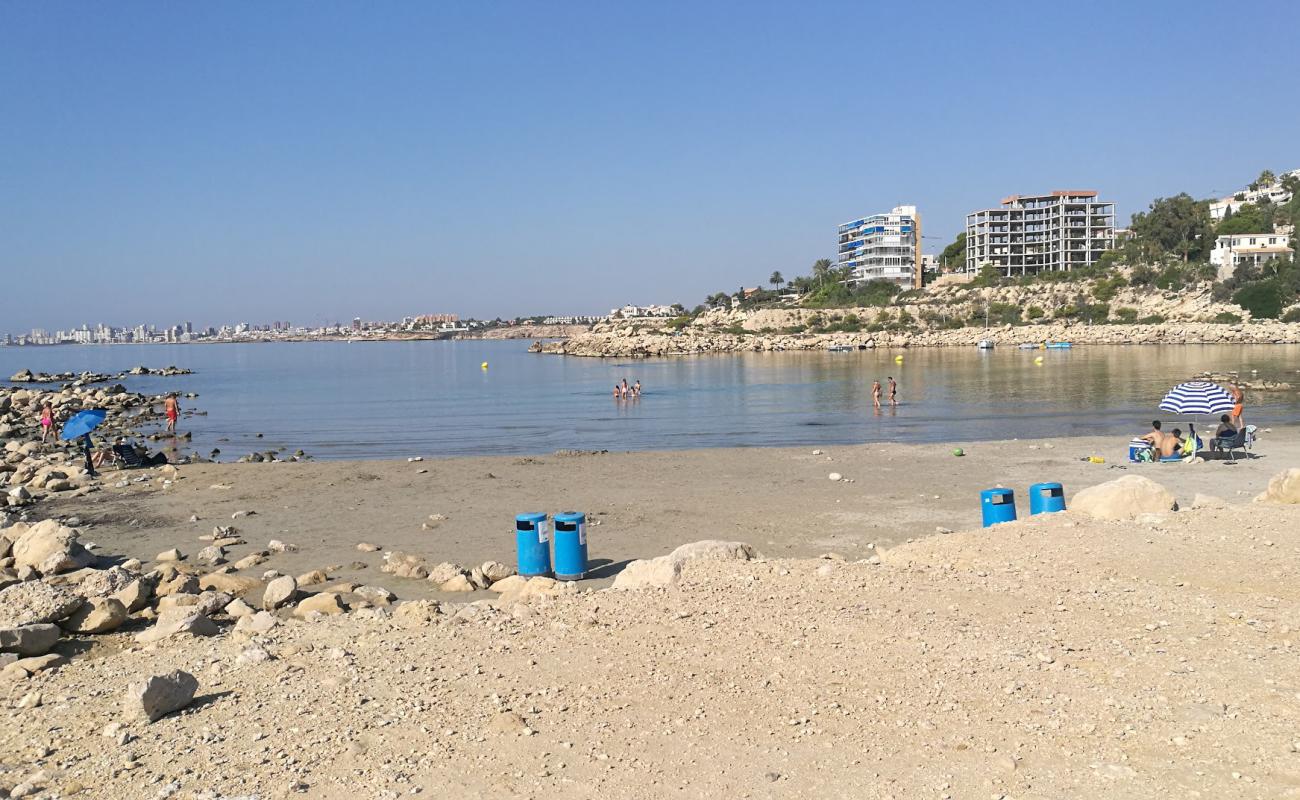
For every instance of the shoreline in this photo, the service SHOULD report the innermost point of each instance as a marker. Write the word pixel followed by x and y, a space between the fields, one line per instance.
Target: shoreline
pixel 639 504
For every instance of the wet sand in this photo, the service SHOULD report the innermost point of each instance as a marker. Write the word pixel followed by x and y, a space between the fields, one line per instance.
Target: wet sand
pixel 639 504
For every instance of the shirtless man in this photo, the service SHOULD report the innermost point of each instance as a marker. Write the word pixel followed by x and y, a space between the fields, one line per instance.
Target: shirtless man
pixel 173 410
pixel 875 393
pixel 1156 438
pixel 1172 444
pixel 893 391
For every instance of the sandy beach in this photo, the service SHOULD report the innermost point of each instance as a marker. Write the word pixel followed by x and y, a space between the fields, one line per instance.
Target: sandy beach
pixel 640 505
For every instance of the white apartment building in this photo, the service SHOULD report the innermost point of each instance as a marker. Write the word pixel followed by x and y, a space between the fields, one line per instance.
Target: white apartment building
pixel 1273 192
pixel 1064 230
pixel 633 312
pixel 883 246
pixel 1232 251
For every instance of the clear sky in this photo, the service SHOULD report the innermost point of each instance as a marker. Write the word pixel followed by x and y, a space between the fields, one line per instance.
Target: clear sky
pixel 224 162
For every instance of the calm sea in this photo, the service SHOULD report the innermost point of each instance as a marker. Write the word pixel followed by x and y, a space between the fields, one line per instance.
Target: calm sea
pixel 398 399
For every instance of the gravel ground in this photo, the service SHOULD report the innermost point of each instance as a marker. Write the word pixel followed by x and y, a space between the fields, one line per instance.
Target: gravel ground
pixel 1054 657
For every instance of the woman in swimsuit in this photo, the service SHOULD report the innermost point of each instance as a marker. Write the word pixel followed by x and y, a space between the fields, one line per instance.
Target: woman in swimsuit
pixel 47 422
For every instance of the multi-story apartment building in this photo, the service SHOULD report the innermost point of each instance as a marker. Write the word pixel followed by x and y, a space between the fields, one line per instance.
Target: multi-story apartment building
pixel 883 246
pixel 1064 230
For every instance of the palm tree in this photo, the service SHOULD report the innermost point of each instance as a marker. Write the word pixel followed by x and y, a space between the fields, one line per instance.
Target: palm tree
pixel 776 280
pixel 821 270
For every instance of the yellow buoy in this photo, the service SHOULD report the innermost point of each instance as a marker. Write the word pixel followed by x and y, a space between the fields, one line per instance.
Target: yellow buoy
pixel 1038 360
pixel 898 359
pixel 483 365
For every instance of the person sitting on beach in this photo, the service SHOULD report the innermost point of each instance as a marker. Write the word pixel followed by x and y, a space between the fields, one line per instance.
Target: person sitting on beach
pixel 1224 434
pixel 1171 444
pixel 1155 437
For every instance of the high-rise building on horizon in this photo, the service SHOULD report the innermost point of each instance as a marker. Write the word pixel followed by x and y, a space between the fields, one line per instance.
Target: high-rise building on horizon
pixel 1026 234
pixel 883 247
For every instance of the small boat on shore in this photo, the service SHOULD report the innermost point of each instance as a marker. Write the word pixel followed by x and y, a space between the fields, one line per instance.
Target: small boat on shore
pixel 841 348
pixel 1029 346
pixel 985 344
pixel 1058 345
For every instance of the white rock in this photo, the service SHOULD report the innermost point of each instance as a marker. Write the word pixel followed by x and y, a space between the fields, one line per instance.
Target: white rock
pixel 160 695
pixel 1124 498
pixel 279 592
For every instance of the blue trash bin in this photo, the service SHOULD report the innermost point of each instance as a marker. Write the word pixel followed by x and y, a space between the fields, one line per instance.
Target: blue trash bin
pixel 1046 498
pixel 570 546
pixel 532 545
pixel 998 505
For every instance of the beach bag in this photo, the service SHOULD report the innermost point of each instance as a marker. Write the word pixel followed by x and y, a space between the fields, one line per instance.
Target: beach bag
pixel 1189 446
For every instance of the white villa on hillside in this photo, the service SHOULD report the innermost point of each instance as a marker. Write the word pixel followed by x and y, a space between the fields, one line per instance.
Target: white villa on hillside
pixel 1273 192
pixel 1232 251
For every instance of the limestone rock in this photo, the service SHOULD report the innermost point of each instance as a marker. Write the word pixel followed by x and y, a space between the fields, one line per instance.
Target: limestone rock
pixel 29 640
pixel 666 570
pixel 239 609
pixel 405 565
pixel 509 723
pixel 159 695
pixel 320 603
pixel 212 555
pixel 313 578
pixel 170 555
pixel 32 602
pixel 48 547
pixel 495 571
pixel 261 622
pixel 1124 498
pixel 180 620
pixel 279 592
pixel 1283 488
pixel 509 583
pixel 375 594
pixel 211 602
pixel 445 572
pixel 105 582
pixel 367 547
pixel 96 615
pixel 135 595
pixel 531 588
pixel 234 585
pixel 417 613
pixel 459 583
pixel 181 584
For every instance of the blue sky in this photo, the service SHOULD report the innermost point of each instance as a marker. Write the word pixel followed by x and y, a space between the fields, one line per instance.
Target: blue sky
pixel 318 161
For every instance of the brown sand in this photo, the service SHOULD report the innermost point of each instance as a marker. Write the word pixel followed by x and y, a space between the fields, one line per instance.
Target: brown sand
pixel 640 504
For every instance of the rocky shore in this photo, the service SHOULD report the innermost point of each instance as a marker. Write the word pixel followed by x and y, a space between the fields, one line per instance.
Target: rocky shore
pixel 950 316
pixel 628 342
pixel 73 379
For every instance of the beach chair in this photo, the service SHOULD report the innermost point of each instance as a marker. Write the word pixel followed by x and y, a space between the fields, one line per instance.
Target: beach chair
pixel 127 456
pixel 1239 442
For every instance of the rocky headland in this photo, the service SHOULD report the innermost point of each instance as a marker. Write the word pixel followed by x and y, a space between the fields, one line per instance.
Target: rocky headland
pixel 943 317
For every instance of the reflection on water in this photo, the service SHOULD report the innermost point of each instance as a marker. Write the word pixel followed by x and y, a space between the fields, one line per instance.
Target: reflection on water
pixel 383 399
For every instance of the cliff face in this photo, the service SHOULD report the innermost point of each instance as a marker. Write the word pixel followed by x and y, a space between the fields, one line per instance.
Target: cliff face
pixel 529 332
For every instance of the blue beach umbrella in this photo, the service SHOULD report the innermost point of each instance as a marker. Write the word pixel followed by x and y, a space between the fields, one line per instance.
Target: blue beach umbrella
pixel 1197 398
pixel 82 423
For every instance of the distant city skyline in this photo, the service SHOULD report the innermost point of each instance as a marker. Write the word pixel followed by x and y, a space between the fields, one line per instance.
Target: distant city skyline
pixel 322 161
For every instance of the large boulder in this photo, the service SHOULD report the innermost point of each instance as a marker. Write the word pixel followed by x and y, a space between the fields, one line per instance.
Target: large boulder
pixel 96 615
pixel 1283 488
pixel 29 640
pixel 320 603
pixel 178 620
pixel 48 547
pixel 1124 498
pixel 666 570
pixel 34 602
pixel 159 695
pixel 279 592
pixel 234 585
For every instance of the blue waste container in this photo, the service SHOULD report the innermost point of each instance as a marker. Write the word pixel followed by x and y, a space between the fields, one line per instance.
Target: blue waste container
pixel 570 546
pixel 1045 498
pixel 998 505
pixel 532 545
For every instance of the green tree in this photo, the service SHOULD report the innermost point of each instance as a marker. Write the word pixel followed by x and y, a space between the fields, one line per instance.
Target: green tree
pixel 1176 224
pixel 1266 178
pixel 821 270
pixel 954 255
pixel 1250 218
pixel 776 280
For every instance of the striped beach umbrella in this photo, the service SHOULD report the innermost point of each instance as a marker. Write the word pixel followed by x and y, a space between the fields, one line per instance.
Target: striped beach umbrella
pixel 1197 398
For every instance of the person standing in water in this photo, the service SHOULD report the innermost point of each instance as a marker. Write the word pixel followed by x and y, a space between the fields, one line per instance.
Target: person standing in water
pixel 173 411
pixel 636 389
pixel 47 421
pixel 875 393
pixel 893 391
